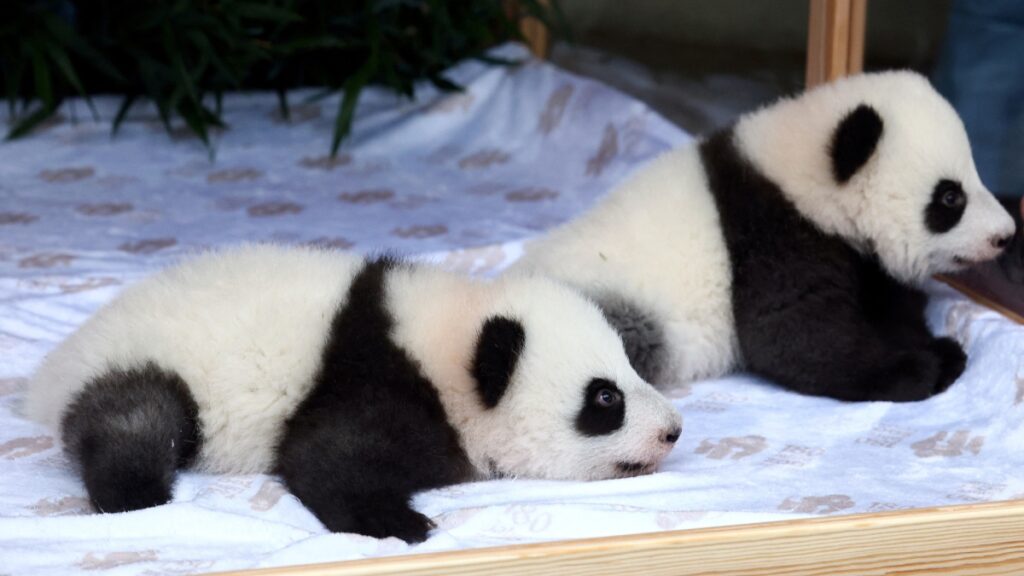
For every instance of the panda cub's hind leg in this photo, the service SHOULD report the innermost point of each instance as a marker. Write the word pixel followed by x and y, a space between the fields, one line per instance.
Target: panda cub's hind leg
pixel 128 431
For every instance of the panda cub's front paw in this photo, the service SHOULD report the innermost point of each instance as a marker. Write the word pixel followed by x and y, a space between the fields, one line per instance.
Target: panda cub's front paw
pixel 952 361
pixel 392 517
pixel 920 374
pixel 911 377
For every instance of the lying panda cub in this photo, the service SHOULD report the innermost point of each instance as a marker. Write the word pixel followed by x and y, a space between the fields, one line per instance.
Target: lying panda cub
pixel 358 382
pixel 791 244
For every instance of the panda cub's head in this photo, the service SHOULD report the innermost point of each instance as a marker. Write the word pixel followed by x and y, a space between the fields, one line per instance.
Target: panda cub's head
pixel 558 396
pixel 883 160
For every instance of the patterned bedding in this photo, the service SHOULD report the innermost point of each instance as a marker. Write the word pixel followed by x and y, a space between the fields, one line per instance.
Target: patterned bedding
pixel 459 179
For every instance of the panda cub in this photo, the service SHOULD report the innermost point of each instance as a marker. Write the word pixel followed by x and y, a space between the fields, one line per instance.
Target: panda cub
pixel 792 244
pixel 359 382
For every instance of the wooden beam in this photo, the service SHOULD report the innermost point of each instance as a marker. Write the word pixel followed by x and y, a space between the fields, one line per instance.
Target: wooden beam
pixel 536 35
pixel 858 25
pixel 835 39
pixel 974 539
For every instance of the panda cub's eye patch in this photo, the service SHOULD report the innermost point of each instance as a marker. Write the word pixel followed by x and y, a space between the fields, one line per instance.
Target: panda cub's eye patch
pixel 604 409
pixel 946 207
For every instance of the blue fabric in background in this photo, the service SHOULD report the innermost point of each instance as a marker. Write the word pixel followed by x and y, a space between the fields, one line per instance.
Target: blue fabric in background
pixel 981 71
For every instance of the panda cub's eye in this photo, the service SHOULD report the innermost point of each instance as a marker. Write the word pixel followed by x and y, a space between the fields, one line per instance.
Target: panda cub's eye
pixel 951 194
pixel 607 398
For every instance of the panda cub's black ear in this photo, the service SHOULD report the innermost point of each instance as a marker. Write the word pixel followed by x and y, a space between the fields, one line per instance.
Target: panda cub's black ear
pixel 854 141
pixel 494 361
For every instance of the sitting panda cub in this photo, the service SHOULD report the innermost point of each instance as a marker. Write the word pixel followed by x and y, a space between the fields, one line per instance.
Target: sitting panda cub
pixel 358 382
pixel 791 244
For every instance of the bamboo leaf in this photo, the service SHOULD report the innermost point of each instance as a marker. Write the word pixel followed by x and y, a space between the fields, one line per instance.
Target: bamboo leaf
pixel 41 73
pixel 177 64
pixel 347 107
pixel 122 111
pixel 266 12
pixel 65 35
pixel 195 121
pixel 12 79
pixel 282 104
pixel 27 123
pixel 314 43
pixel 60 58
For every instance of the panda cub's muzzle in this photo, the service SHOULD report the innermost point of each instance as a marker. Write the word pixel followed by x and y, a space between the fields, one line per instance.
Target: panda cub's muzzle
pixel 666 441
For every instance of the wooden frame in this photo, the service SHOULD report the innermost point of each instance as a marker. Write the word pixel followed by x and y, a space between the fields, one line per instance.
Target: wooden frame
pixel 536 34
pixel 835 39
pixel 975 539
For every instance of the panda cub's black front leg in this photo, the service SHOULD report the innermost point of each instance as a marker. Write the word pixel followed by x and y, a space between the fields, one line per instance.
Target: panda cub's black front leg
pixel 918 371
pixel 897 312
pixel 350 492
pixel 824 346
pixel 952 361
pixel 376 513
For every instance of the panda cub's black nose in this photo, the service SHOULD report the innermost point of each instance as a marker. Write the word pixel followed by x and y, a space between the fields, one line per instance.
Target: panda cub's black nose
pixel 671 436
pixel 1001 241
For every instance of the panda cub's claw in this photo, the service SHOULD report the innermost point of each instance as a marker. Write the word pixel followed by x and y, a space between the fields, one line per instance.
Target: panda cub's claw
pixel 386 517
pixel 402 522
pixel 952 361
pixel 378 516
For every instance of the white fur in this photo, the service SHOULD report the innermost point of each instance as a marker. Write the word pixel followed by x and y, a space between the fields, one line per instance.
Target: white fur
pixel 657 237
pixel 568 343
pixel 883 205
pixel 245 329
pixel 235 325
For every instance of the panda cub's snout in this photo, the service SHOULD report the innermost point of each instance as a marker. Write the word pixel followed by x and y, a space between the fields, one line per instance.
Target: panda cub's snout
pixel 658 447
pixel 656 441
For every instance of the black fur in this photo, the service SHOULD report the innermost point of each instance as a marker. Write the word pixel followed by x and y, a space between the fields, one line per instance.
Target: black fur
pixel 372 431
pixel 494 361
pixel 854 141
pixel 630 467
pixel 128 431
pixel 642 336
pixel 596 420
pixel 495 472
pixel 946 207
pixel 812 313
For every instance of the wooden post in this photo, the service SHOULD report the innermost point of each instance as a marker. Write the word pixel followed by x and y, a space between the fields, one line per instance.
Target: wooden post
pixel 534 32
pixel 835 39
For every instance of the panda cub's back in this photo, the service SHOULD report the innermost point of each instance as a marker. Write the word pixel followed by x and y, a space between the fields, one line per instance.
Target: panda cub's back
pixel 249 358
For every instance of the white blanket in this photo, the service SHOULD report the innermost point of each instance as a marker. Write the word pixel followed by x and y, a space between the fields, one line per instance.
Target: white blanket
pixel 520 150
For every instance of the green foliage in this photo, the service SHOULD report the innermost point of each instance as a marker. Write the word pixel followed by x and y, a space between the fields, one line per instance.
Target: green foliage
pixel 184 54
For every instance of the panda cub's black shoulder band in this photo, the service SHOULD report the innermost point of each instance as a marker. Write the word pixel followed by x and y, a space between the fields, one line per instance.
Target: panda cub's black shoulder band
pixel 854 141
pixel 497 352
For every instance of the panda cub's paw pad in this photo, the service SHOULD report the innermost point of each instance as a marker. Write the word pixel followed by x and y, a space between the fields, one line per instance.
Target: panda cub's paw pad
pixel 952 361
pixel 395 519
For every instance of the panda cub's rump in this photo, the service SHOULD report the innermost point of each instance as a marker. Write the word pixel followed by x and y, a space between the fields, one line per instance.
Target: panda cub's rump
pixel 359 382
